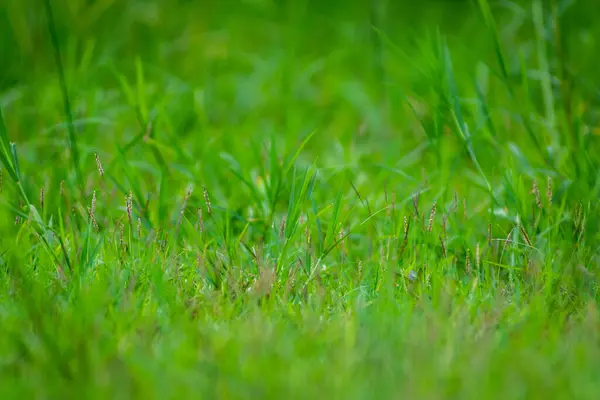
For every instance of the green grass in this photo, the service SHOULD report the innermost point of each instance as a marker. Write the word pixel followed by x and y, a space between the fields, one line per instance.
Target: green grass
pixel 299 200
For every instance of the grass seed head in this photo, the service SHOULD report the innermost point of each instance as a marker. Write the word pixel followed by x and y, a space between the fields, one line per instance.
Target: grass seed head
pixel 41 198
pixel 431 217
pixel 188 194
pixel 282 228
pixel 525 235
pixel 416 204
pixel 93 209
pixel 445 226
pixel 129 207
pixel 200 226
pixel 121 235
pixel 207 201
pixel 536 192
pixel 549 191
pixel 93 219
pixel 99 165
pixel 443 247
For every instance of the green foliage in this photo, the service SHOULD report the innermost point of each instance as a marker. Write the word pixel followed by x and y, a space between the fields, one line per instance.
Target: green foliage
pixel 299 199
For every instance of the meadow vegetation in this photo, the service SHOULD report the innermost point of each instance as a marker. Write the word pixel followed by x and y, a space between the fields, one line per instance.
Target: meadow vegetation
pixel 299 199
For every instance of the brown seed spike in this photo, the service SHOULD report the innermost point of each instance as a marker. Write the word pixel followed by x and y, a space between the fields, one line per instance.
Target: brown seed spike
pixel 188 194
pixel 536 192
pixel 525 236
pixel 99 165
pixel 416 204
pixel 431 217
pixel 93 218
pixel 129 207
pixel 443 247
pixel 207 201
pixel 445 226
pixel 403 247
pixel 282 228
pixel 200 221
pixel 93 209
pixel 42 198
pixel 549 191
pixel 121 236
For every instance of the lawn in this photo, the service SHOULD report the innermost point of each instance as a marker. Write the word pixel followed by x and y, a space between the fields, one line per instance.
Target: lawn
pixel 299 199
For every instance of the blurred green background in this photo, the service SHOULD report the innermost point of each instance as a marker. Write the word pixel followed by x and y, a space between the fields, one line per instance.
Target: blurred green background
pixel 360 72
pixel 299 45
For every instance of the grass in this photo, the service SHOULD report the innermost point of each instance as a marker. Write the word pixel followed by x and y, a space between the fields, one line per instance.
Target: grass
pixel 299 200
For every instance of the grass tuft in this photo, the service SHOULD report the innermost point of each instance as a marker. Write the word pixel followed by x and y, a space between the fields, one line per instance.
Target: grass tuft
pixel 373 220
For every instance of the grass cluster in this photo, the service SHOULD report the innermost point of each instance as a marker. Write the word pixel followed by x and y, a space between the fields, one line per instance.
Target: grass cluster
pixel 299 200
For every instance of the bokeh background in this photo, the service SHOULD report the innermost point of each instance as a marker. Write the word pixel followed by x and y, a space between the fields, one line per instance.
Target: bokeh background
pixel 359 72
